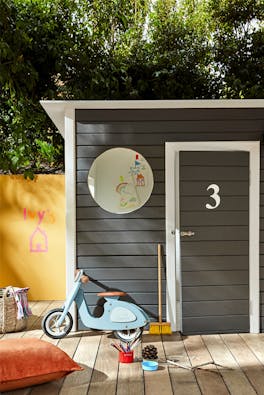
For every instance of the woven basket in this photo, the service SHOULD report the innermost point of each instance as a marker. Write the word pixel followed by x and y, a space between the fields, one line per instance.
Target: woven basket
pixel 8 312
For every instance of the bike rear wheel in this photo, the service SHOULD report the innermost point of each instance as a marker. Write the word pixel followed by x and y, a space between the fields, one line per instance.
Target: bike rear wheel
pixel 49 324
pixel 129 334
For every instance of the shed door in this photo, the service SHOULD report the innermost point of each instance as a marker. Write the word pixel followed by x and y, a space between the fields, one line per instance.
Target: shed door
pixel 214 225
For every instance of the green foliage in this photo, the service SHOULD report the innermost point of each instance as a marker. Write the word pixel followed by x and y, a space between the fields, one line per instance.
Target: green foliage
pixel 180 51
pixel 28 59
pixel 28 144
pixel 117 49
pixel 238 49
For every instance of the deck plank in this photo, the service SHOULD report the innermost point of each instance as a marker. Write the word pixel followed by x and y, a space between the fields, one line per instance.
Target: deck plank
pixel 157 382
pixel 183 381
pixel 130 379
pixel 241 357
pixel 22 391
pixel 104 375
pixel 77 383
pixel 208 378
pixel 233 376
pixel 255 341
pixel 247 361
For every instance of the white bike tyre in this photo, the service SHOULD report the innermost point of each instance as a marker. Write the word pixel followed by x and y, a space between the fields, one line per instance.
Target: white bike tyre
pixel 128 335
pixel 48 324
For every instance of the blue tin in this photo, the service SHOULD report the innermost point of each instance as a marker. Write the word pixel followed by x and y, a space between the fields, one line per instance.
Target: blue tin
pixel 150 365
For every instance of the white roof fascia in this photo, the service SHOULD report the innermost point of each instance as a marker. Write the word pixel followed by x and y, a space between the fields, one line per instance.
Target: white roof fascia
pixel 56 108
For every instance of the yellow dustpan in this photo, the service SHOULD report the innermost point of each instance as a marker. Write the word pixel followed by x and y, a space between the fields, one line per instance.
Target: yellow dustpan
pixel 158 328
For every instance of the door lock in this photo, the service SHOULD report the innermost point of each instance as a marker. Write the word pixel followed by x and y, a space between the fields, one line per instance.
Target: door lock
pixel 187 233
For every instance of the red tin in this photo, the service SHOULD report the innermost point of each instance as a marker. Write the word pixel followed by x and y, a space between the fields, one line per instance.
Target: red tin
pixel 126 357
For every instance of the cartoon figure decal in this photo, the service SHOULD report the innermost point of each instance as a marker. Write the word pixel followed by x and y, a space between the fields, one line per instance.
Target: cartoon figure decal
pixel 140 180
pixel 127 188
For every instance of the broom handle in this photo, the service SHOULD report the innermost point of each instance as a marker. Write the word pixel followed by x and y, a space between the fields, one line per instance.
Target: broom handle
pixel 159 283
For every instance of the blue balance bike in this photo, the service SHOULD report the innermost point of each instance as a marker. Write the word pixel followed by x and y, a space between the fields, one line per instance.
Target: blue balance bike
pixel 125 319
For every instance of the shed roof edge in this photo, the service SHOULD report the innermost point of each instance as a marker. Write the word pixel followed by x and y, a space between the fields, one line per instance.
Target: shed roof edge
pixel 56 109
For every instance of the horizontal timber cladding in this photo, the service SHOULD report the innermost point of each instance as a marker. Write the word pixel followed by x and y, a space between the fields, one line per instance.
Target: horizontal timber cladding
pixel 120 251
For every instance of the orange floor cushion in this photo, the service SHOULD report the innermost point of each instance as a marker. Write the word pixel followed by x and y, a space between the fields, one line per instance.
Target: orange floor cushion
pixel 26 362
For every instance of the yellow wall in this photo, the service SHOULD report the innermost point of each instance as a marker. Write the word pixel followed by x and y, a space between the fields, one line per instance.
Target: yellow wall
pixel 32 235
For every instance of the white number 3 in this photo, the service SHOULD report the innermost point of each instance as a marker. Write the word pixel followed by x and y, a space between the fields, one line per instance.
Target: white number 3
pixel 214 195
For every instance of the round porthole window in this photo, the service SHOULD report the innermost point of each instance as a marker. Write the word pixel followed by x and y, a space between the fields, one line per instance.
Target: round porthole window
pixel 120 180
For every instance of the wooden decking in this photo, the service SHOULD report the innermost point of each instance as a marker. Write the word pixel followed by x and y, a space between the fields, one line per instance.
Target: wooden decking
pixel 237 364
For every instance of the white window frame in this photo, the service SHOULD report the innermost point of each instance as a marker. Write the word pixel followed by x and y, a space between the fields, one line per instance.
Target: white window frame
pixel 172 150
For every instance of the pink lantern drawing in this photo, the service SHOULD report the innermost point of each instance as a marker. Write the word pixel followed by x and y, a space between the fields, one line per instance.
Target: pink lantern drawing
pixel 38 241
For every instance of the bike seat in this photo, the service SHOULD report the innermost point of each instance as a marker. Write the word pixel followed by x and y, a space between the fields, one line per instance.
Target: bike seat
pixel 111 293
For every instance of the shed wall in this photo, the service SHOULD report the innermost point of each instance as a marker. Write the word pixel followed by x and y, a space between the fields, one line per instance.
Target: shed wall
pixel 120 251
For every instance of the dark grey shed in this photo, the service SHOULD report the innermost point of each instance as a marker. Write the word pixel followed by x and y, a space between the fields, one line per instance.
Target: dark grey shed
pixel 214 276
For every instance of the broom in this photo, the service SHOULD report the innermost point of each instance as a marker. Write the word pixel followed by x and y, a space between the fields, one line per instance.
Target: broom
pixel 157 328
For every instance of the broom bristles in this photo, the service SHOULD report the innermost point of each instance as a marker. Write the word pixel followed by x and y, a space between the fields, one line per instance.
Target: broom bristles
pixel 160 328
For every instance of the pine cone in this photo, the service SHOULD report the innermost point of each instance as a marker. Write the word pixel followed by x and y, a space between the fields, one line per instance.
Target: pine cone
pixel 150 352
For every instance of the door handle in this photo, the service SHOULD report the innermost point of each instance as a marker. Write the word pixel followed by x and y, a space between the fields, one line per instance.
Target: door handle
pixel 187 233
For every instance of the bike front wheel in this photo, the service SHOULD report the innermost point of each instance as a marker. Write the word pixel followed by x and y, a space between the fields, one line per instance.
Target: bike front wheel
pixel 128 335
pixel 49 324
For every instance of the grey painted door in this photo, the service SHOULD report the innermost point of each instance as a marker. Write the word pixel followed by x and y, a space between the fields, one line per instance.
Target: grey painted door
pixel 214 220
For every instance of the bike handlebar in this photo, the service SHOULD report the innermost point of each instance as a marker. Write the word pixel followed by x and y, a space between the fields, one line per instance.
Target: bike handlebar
pixel 81 276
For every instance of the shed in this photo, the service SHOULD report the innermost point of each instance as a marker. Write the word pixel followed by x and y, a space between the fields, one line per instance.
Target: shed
pixel 206 208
